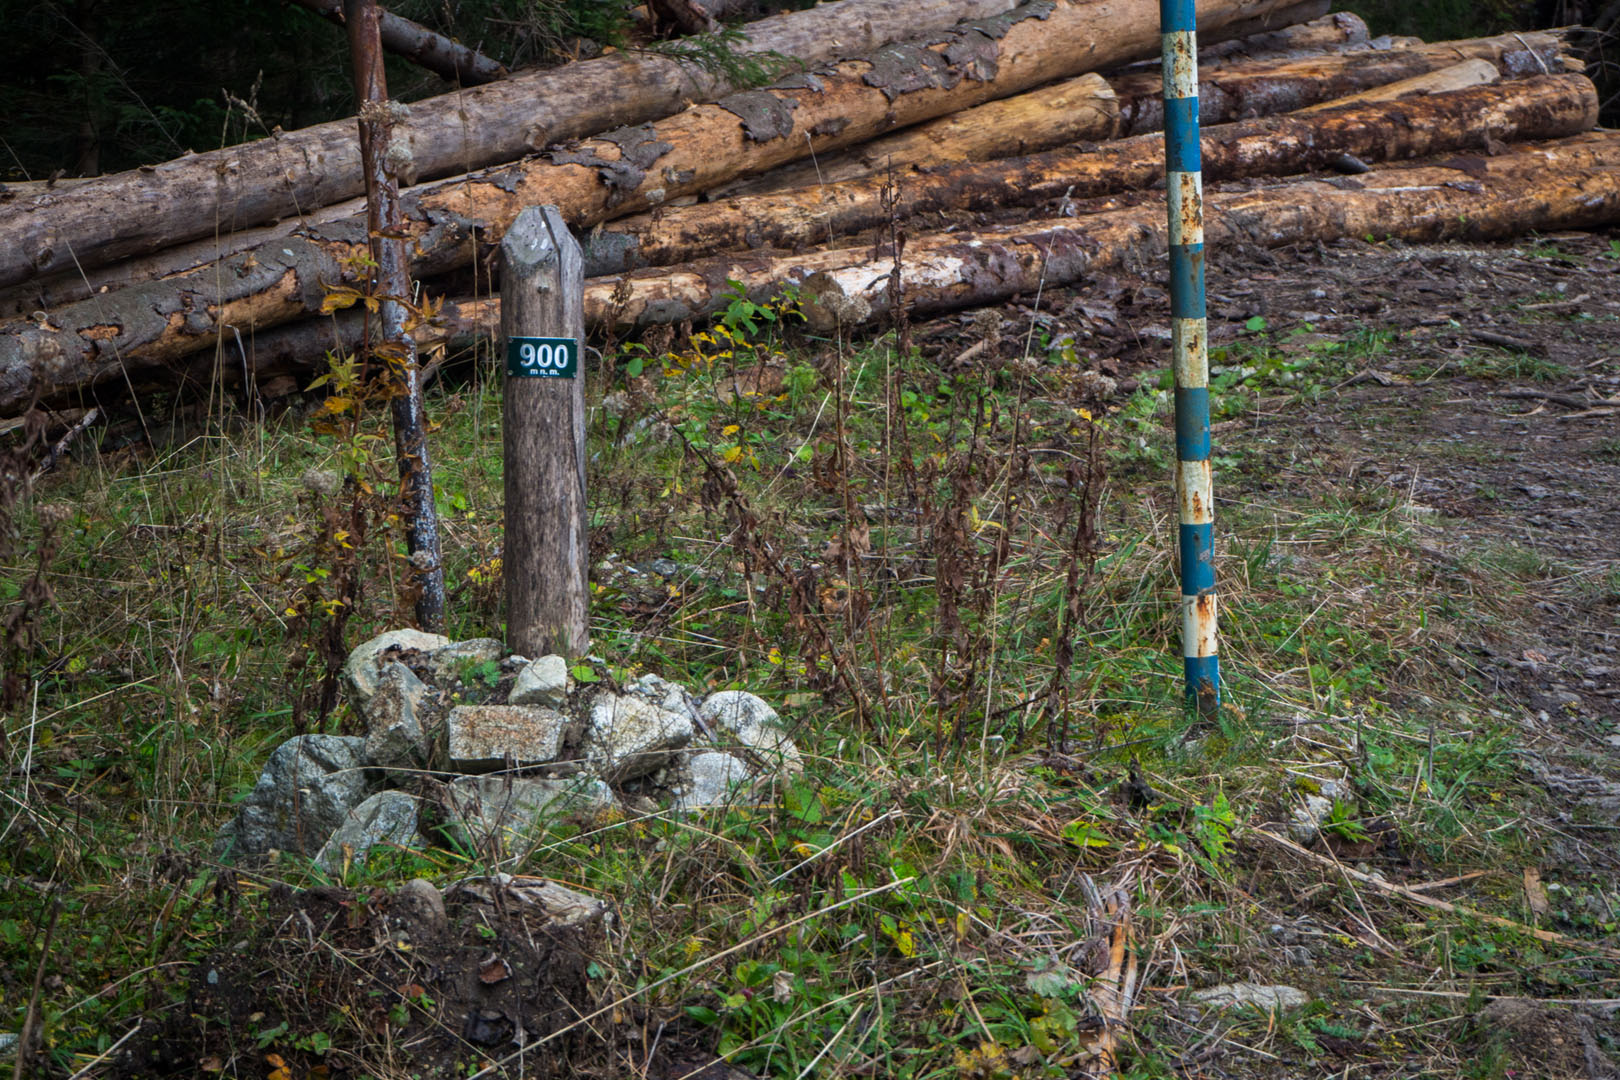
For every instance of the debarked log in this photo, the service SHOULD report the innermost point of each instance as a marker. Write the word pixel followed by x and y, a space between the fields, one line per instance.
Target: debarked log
pixel 1074 110
pixel 1268 87
pixel 1568 184
pixel 1544 107
pixel 290 173
pixel 619 173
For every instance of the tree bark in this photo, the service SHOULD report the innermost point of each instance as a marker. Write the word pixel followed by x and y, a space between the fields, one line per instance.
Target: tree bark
pixel 619 173
pixel 390 284
pixel 1266 88
pixel 449 60
pixel 1570 184
pixel 1548 106
pixel 154 207
pixel 1074 110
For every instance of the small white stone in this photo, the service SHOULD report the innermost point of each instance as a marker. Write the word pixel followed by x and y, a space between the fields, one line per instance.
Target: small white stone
pixel 715 779
pixel 364 666
pixel 542 682
pixel 744 720
pixel 484 737
pixel 1255 995
pixel 629 738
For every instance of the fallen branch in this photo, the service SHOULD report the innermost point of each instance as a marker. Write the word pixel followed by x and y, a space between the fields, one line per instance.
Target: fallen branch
pixel 61 445
pixel 425 48
pixel 1422 900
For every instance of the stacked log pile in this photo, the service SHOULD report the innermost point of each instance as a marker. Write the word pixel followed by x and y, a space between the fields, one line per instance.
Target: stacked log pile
pixel 1005 132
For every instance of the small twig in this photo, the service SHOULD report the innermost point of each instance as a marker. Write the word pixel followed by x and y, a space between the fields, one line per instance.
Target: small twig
pixel 28 1037
pixel 1491 337
pixel 747 943
pixel 1570 400
pixel 64 442
pixel 1421 900
pixel 1446 883
pixel 105 1054
pixel 1607 1004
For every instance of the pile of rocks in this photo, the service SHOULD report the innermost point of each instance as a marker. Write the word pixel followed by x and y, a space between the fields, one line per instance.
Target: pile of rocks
pixel 471 747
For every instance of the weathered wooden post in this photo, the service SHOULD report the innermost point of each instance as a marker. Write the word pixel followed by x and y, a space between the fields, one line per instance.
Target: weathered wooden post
pixel 542 329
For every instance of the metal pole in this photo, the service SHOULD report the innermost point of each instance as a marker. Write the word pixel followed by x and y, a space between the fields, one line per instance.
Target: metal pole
pixel 1190 349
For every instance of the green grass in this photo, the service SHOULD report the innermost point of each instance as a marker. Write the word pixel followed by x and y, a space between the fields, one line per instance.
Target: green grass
pixel 194 585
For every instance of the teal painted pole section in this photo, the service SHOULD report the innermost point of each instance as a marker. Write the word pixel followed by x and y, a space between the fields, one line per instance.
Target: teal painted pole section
pixel 1183 159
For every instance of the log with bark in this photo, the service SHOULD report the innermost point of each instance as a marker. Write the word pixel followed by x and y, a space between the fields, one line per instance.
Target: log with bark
pixel 449 60
pixel 1548 106
pixel 1572 183
pixel 1253 88
pixel 622 172
pixel 699 288
pixel 1074 110
pixel 154 207
pixel 1265 88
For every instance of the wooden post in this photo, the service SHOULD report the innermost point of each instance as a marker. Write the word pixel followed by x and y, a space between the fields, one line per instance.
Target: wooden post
pixel 542 331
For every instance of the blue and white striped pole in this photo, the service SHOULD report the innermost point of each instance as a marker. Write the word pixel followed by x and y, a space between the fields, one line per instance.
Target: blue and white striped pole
pixel 1189 344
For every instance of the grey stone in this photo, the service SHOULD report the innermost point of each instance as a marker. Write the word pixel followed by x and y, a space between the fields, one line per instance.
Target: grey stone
pixel 305 792
pixel 747 721
pixel 452 659
pixel 542 682
pixel 397 735
pixel 388 817
pixel 420 906
pixel 1255 995
pixel 481 811
pixel 363 669
pixel 629 738
pixel 715 779
pixel 533 896
pixel 479 738
pixel 1306 822
pixel 663 693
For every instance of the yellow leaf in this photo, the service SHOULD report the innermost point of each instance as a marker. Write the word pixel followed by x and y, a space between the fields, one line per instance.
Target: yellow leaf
pixel 731 454
pixel 339 297
pixel 730 429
